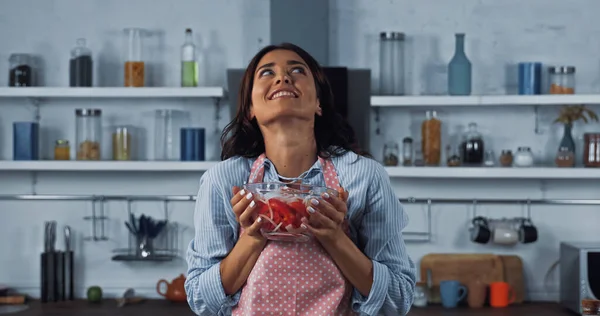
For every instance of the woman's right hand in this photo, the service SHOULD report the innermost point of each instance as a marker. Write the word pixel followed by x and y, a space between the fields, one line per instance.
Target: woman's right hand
pixel 244 207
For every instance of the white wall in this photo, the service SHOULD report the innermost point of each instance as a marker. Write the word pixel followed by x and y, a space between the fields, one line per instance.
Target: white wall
pixel 498 35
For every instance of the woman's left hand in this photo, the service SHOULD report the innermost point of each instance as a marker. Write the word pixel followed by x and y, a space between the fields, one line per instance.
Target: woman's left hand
pixel 326 216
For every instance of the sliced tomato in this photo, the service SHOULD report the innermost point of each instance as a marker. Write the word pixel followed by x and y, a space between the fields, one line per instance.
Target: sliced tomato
pixel 300 209
pixel 285 213
pixel 262 208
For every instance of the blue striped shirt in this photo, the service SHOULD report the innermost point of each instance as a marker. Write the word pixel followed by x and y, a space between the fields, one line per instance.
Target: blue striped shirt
pixel 376 223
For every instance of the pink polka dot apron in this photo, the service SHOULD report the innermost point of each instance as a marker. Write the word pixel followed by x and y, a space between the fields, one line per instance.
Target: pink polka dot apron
pixel 295 278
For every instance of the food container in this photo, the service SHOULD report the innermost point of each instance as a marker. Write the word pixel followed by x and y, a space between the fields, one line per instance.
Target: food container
pixel 282 206
pixel 21 71
pixel 62 150
pixel 88 132
pixel 431 132
pixel 390 154
pixel 122 143
pixel 562 80
pixel 134 63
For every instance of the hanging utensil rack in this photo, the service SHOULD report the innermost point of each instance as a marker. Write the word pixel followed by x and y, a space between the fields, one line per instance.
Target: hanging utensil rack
pixel 424 236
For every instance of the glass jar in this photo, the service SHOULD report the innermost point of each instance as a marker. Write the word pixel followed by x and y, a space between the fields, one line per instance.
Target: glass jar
pixel 81 65
pixel 590 307
pixel 122 143
pixel 472 147
pixel 506 158
pixel 62 150
pixel 591 149
pixel 391 63
pixel 21 70
pixel 565 158
pixel 167 133
pixel 431 133
pixel 88 133
pixel 523 157
pixel 407 151
pixel 391 152
pixel 489 160
pixel 134 62
pixel 420 295
pixel 562 80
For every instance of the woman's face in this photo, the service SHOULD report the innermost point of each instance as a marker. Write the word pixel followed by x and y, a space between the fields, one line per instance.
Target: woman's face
pixel 284 89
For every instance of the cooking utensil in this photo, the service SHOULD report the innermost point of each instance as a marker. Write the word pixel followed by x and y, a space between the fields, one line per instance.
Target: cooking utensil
pixel 68 284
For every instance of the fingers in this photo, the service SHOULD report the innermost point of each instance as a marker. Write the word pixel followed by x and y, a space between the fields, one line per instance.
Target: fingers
pixel 236 197
pixel 247 216
pixel 240 202
pixel 254 229
pixel 323 214
pixel 338 203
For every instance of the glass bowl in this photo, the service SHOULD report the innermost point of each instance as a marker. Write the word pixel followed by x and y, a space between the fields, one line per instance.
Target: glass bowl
pixel 282 206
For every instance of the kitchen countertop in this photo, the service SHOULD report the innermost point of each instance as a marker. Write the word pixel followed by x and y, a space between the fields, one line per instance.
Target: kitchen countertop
pixel 161 307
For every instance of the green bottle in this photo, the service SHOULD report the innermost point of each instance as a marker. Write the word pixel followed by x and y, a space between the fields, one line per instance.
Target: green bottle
pixel 189 66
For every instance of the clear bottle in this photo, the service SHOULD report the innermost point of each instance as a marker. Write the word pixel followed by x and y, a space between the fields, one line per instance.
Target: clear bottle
pixel 431 133
pixel 81 65
pixel 88 133
pixel 134 63
pixel 189 65
pixel 562 80
pixel 21 71
pixel 391 63
pixel 472 147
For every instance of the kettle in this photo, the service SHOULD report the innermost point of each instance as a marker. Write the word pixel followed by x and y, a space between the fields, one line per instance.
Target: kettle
pixel 175 290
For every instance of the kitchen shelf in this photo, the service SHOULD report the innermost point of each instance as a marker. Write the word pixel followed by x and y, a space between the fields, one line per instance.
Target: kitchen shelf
pixel 483 100
pixel 533 173
pixel 71 165
pixel 394 172
pixel 109 92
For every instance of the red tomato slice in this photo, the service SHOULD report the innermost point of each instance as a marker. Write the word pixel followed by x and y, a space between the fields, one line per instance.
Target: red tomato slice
pixel 286 214
pixel 301 212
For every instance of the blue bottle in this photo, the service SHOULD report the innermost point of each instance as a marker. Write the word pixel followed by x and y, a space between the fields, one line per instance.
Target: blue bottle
pixel 459 69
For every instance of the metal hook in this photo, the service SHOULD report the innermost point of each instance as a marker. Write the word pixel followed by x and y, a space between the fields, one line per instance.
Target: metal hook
pixel 474 208
pixel 528 209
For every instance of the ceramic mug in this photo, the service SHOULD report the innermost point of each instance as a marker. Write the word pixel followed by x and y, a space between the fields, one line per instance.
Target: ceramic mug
pixel 505 236
pixel 501 294
pixel 452 292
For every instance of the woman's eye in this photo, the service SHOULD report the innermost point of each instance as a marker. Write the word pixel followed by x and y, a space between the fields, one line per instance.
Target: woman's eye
pixel 298 70
pixel 265 72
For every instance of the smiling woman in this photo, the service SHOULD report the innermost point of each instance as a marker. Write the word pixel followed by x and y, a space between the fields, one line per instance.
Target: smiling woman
pixel 287 130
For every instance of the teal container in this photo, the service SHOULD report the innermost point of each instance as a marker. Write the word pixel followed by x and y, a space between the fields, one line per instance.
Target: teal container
pixel 459 69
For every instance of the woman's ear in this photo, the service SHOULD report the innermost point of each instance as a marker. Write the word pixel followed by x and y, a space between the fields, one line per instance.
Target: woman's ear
pixel 319 109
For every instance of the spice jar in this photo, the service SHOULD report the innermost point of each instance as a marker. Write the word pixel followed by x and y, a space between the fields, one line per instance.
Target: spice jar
pixel 122 143
pixel 431 132
pixel 523 157
pixel 565 158
pixel 562 80
pixel 88 132
pixel 591 149
pixel 590 307
pixel 62 150
pixel 21 71
pixel 390 154
pixel 506 158
pixel 407 151
pixel 134 65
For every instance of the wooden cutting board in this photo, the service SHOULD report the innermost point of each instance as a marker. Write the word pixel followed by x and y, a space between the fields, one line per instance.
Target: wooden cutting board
pixel 462 267
pixel 513 275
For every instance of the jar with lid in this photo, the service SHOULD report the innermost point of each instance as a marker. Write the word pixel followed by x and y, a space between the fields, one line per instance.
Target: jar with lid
pixel 391 63
pixel 391 153
pixel 21 70
pixel 81 65
pixel 431 132
pixel 134 62
pixel 420 295
pixel 472 147
pixel 590 307
pixel 62 150
pixel 407 151
pixel 523 157
pixel 88 133
pixel 591 149
pixel 565 158
pixel 506 158
pixel 122 143
pixel 562 80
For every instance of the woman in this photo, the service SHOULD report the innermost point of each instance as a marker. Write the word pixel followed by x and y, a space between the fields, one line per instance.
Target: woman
pixel 286 129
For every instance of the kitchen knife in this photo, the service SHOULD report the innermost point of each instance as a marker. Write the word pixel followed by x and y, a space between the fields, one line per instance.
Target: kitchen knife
pixel 68 262
pixel 51 263
pixel 44 266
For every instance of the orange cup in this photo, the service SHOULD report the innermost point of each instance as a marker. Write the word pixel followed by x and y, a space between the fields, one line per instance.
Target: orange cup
pixel 501 294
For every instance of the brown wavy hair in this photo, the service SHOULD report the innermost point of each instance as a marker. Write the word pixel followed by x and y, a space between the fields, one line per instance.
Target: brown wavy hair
pixel 333 134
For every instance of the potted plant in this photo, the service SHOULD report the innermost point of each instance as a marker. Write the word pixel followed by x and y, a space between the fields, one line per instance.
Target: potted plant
pixel 568 115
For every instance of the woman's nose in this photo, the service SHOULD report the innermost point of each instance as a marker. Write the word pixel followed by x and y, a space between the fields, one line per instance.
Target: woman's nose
pixel 283 78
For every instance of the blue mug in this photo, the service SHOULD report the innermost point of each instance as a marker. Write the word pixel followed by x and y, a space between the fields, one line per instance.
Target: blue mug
pixel 452 292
